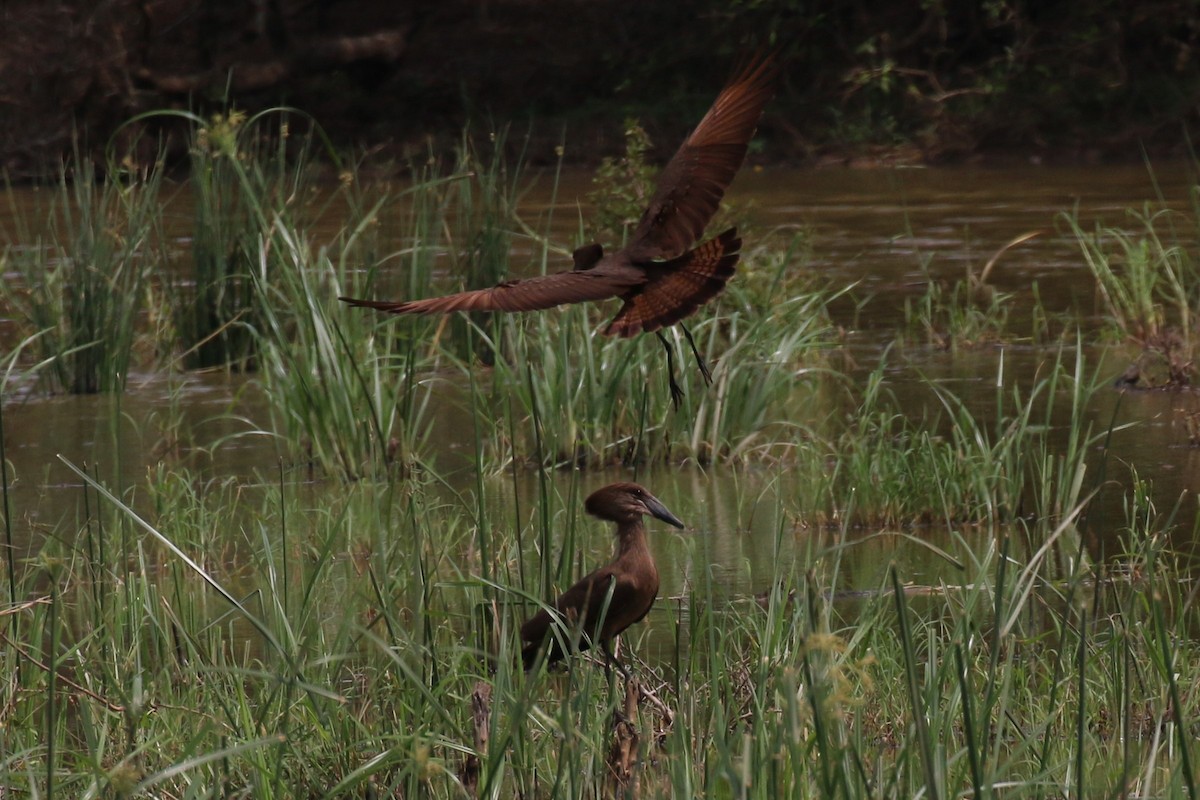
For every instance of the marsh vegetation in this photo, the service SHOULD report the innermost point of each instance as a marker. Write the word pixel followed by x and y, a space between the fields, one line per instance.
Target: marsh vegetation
pixel 893 583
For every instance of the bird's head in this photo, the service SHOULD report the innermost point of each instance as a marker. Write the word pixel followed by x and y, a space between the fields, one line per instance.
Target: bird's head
pixel 587 256
pixel 627 502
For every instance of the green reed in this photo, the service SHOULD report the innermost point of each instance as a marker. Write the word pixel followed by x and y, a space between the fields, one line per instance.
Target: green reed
pixel 969 311
pixel 609 396
pixel 354 391
pixel 965 313
pixel 863 457
pixel 459 216
pixel 345 396
pixel 82 271
pixel 270 641
pixel 1142 275
pixel 1145 276
pixel 766 353
pixel 199 636
pixel 483 213
pixel 246 173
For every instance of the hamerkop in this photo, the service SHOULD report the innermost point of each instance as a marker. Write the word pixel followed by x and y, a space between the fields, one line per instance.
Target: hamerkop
pixel 610 599
pixel 660 279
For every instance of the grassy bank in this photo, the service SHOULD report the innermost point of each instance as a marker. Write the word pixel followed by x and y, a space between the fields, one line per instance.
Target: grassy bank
pixel 283 641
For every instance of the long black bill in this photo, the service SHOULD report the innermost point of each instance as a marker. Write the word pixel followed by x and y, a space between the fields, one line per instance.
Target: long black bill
pixel 655 507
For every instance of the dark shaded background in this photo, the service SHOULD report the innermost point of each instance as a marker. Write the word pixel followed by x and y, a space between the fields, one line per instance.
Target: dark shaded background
pixel 872 79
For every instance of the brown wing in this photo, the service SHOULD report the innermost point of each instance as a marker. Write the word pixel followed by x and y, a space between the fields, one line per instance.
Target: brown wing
pixel 574 602
pixel 531 294
pixel 678 287
pixel 692 184
pixel 586 600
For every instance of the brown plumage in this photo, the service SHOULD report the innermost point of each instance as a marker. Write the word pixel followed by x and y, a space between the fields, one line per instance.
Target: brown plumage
pixel 658 277
pixel 632 579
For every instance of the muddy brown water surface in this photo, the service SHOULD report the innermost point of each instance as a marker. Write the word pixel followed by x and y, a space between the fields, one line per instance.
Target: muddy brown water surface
pixel 885 231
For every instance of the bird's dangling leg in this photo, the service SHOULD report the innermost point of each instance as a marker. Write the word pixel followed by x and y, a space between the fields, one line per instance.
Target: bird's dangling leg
pixel 610 659
pixel 676 392
pixel 699 358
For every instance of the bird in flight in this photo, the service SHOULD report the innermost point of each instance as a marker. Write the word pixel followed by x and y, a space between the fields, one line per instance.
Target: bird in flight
pixel 660 277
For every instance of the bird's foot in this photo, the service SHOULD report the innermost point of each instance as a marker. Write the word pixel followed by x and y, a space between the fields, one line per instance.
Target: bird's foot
pixel 676 392
pixel 611 660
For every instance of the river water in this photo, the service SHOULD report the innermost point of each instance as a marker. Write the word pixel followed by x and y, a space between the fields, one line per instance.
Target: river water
pixel 886 231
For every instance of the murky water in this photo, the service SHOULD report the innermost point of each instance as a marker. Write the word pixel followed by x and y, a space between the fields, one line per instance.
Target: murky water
pixel 887 231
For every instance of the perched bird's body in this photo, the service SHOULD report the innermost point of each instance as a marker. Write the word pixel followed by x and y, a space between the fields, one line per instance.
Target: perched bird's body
pixel 607 601
pixel 658 276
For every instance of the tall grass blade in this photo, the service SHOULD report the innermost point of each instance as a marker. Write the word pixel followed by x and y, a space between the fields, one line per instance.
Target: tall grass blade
pixel 267 634
pixel 924 742
pixel 187 765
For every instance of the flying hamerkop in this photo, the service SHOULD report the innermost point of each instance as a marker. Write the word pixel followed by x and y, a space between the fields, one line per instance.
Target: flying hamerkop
pixel 659 275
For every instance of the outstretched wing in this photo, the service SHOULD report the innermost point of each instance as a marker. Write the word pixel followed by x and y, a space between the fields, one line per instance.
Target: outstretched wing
pixel 678 287
pixel 692 184
pixel 530 294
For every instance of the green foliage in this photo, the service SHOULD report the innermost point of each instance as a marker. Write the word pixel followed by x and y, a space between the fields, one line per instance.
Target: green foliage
pixel 245 176
pixel 201 636
pixel 266 642
pixel 621 188
pixel 573 397
pixel 964 314
pixel 343 396
pixel 963 466
pixel 82 275
pixel 1147 278
pixel 483 207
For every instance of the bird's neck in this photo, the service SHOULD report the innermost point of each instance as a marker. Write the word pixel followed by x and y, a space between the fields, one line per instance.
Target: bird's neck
pixel 631 538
